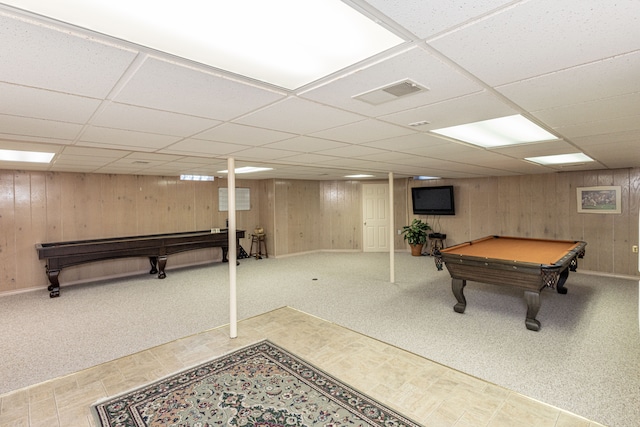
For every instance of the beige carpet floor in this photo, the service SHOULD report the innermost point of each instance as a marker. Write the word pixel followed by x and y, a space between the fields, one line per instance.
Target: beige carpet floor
pixel 585 358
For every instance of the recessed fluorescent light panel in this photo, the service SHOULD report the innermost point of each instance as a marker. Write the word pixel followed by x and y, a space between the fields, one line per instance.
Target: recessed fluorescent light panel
pixel 287 43
pixel 247 169
pixel 196 178
pixel 499 132
pixel 25 156
pixel 425 178
pixel 560 159
pixel 359 176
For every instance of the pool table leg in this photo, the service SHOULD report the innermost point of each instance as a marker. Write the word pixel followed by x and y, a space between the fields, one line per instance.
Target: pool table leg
pixel 561 280
pixel 153 260
pixel 457 286
pixel 162 263
pixel 533 306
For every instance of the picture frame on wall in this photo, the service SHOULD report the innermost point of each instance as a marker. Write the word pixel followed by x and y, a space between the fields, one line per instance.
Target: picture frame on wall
pixel 601 199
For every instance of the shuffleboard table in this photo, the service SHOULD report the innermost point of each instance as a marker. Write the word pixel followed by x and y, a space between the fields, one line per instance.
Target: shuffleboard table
pixel 530 264
pixel 154 246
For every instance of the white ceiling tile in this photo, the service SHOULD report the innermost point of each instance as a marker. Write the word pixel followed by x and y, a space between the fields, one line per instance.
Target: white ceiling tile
pixel 8 144
pixel 572 66
pixel 466 109
pixel 408 143
pixel 245 135
pixel 352 151
pixel 538 37
pixel 168 86
pixel 121 139
pixel 193 146
pixel 75 150
pixel 121 116
pixel 305 144
pixel 602 79
pixel 45 104
pixel 154 157
pixel 363 131
pixel 631 136
pixel 299 117
pixel 617 154
pixel 82 161
pixel 78 167
pixel 416 64
pixel 261 153
pixel 59 60
pixel 537 149
pixel 307 159
pixel 13 125
pixel 622 124
pixel 592 111
pixel 428 17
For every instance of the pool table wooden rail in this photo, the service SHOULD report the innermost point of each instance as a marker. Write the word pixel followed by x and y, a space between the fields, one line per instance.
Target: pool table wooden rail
pixel 155 246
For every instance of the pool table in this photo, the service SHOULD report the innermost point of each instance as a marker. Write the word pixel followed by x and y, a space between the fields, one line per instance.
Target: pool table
pixel 529 264
pixel 154 246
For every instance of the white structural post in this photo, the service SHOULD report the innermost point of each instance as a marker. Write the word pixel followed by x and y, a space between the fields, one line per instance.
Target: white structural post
pixel 392 249
pixel 233 250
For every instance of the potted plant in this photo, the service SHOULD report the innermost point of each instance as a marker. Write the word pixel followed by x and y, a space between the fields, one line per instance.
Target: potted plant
pixel 416 235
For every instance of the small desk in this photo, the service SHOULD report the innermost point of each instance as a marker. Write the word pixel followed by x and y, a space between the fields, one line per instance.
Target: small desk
pixel 155 246
pixel 530 264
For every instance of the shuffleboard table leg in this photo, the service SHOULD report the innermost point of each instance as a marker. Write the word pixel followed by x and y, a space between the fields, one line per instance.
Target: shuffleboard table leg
pixel 153 260
pixel 457 286
pixel 54 287
pixel 533 306
pixel 162 263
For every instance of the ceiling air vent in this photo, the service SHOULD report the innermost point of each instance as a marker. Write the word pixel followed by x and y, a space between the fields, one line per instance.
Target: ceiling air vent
pixel 391 92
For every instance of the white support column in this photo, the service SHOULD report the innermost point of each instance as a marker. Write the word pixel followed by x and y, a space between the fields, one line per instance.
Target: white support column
pixel 392 249
pixel 233 249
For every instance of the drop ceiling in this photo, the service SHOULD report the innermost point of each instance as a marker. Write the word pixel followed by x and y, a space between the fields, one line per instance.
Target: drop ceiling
pixel 105 105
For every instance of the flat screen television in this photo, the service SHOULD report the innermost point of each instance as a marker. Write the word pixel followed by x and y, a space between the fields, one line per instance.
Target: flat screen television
pixel 433 200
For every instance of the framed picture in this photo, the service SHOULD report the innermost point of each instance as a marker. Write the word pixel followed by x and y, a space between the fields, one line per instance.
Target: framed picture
pixel 599 200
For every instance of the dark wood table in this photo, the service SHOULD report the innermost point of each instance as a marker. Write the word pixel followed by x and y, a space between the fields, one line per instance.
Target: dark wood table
pixel 154 246
pixel 530 264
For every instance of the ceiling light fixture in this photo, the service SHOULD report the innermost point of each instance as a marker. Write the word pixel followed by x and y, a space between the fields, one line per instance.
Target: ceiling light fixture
pixel 358 176
pixel 510 130
pixel 247 169
pixel 26 156
pixel 560 159
pixel 425 178
pixel 287 43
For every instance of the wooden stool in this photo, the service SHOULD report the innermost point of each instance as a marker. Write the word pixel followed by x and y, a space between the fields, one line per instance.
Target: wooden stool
pixel 261 244
pixel 437 242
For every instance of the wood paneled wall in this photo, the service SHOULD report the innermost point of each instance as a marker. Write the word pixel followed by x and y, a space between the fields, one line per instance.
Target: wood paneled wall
pixel 545 206
pixel 50 207
pixel 298 216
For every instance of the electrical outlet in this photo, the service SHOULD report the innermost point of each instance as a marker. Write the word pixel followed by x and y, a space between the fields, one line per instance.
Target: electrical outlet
pixel 634 249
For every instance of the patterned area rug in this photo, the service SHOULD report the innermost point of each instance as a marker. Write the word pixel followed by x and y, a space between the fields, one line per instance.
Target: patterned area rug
pixel 260 385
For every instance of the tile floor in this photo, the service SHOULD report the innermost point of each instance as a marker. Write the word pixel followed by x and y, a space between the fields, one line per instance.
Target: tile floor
pixel 424 391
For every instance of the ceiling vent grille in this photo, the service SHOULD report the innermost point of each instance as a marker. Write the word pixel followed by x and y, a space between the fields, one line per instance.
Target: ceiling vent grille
pixel 391 92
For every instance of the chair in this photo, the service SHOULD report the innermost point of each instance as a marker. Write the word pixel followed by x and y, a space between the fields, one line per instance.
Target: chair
pixel 259 239
pixel 437 242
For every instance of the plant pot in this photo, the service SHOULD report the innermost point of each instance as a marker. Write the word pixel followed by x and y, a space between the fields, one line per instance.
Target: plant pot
pixel 416 250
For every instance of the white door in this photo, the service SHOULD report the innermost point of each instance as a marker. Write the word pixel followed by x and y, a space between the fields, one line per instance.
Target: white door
pixel 375 207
